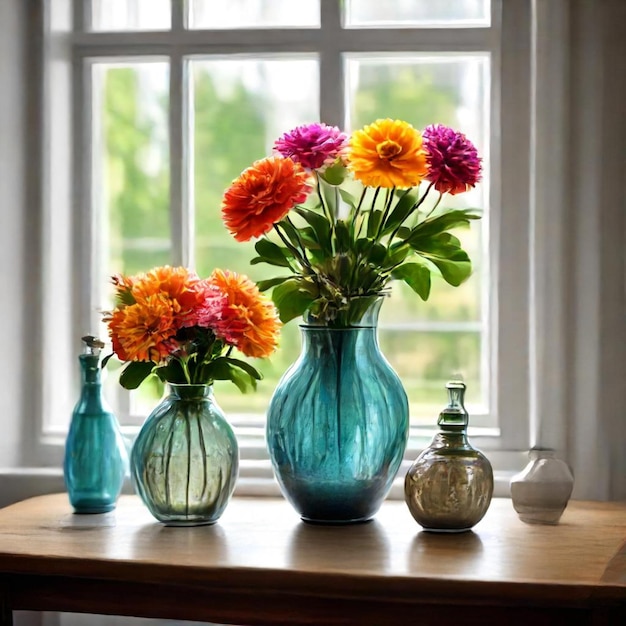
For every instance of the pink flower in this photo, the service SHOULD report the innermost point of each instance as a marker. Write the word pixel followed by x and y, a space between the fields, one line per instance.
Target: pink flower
pixel 453 162
pixel 313 145
pixel 208 309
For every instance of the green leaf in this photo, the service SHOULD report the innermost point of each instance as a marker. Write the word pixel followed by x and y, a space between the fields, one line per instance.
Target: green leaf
pixel 342 236
pixel 373 222
pixel 377 254
pixel 397 253
pixel 444 245
pixel 246 367
pixel 445 252
pixel 348 198
pixel 106 359
pixel 264 285
pixel 290 300
pixel 320 227
pixel 309 238
pixel 335 174
pixel 271 253
pixel 453 270
pixel 362 245
pixel 404 232
pixel 400 212
pixel 416 276
pixel 223 369
pixel 242 380
pixel 291 232
pixel 172 372
pixel 329 195
pixel 135 373
pixel 124 297
pixel 438 224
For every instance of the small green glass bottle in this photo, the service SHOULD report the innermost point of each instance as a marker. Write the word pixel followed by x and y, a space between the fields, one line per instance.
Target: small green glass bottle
pixel 96 460
pixel 449 486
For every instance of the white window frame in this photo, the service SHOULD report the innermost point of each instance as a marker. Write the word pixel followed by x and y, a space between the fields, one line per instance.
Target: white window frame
pixel 508 350
pixel 560 382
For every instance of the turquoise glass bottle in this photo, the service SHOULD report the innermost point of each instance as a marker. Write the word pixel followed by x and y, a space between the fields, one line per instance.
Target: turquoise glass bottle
pixel 96 460
pixel 337 424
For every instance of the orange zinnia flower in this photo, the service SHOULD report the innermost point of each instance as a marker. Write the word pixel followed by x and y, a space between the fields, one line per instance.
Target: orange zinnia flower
pixel 143 331
pixel 262 195
pixel 177 283
pixel 250 322
pixel 387 153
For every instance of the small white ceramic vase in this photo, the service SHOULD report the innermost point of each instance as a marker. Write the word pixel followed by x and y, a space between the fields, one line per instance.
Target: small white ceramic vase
pixel 541 491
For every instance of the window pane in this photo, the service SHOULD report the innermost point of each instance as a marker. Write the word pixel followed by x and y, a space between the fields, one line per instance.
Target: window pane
pixel 240 107
pixel 452 90
pixel 130 179
pixel 254 14
pixel 116 15
pixel 425 360
pixel 411 13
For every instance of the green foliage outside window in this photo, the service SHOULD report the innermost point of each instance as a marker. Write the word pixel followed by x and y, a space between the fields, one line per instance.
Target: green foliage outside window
pixel 229 132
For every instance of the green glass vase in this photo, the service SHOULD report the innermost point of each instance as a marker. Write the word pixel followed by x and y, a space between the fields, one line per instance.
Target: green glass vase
pixel 185 460
pixel 337 424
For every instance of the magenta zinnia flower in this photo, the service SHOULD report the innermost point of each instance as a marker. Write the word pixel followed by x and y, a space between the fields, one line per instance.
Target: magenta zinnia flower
pixel 453 162
pixel 313 145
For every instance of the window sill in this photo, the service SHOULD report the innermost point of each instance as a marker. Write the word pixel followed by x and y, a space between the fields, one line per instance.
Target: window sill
pixel 255 479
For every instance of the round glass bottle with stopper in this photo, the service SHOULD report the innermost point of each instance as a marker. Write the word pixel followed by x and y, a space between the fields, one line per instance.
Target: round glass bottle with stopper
pixel 96 460
pixel 449 486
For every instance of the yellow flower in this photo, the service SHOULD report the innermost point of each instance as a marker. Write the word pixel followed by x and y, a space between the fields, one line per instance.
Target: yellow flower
pixel 387 153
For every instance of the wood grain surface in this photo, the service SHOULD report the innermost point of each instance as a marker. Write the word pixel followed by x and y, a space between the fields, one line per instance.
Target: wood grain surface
pixel 261 565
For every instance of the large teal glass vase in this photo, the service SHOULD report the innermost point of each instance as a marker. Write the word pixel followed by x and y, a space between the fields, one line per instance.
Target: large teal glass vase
pixel 337 424
pixel 96 460
pixel 185 460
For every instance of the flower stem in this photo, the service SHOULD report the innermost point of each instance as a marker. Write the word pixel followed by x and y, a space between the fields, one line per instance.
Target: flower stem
pixel 414 208
pixel 299 256
pixel 327 212
pixel 434 206
pixel 185 366
pixel 356 211
pixel 383 219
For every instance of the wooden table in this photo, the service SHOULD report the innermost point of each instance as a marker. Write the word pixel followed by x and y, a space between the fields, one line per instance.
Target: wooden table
pixel 261 565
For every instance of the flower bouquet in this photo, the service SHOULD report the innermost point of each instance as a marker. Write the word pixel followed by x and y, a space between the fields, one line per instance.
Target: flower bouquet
pixel 345 215
pixel 171 323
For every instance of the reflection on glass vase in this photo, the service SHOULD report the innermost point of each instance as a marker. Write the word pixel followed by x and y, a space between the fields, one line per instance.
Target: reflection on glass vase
pixel 449 486
pixel 337 424
pixel 185 460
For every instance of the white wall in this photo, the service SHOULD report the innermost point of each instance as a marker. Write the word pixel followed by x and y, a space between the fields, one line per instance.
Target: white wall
pixel 595 260
pixel 12 223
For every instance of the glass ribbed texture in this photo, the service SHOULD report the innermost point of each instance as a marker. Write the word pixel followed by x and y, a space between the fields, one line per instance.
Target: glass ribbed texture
pixel 96 460
pixel 185 460
pixel 338 424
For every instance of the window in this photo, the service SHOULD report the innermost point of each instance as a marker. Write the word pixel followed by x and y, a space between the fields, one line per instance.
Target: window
pixel 154 107
pixel 555 232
